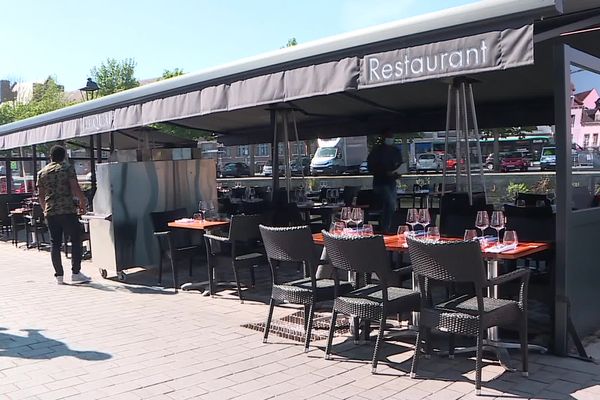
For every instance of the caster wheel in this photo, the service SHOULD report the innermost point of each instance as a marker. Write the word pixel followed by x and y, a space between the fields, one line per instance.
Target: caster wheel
pixel 103 273
pixel 122 276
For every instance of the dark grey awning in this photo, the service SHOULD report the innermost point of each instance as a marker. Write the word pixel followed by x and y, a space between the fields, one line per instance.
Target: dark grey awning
pixel 323 82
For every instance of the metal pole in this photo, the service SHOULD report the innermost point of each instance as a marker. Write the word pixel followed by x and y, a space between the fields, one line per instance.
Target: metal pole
pixel 286 154
pixel 111 139
pixel 98 149
pixel 459 187
pixel 274 153
pixel 92 163
pixel 463 94
pixel 448 111
pixel 34 160
pixel 478 140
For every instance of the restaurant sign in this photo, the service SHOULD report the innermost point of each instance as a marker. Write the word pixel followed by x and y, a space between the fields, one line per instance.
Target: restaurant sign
pixel 488 51
pixel 101 122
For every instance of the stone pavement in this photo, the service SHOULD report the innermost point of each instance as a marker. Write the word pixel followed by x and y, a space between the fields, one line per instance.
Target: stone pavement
pixel 118 340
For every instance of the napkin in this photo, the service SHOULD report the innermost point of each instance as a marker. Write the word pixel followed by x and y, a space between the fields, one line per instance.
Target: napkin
pixel 501 248
pixel 185 220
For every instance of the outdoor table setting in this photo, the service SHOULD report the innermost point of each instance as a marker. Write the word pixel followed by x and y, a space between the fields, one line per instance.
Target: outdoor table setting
pixel 492 248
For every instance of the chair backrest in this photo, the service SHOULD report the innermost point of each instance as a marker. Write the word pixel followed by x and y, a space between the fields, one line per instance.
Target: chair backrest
pixel 160 219
pixel 361 254
pixel 454 221
pixel 452 261
pixel 368 198
pixel 238 192
pixel 532 224
pixel 532 199
pixel 244 228
pixel 290 244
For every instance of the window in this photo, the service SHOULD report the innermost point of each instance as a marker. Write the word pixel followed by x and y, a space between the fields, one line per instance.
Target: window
pixel 263 149
pixel 586 140
pixel 572 120
pixel 595 140
pixel 243 151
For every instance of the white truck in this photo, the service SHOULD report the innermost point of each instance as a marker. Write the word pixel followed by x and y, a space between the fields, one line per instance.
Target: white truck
pixel 339 155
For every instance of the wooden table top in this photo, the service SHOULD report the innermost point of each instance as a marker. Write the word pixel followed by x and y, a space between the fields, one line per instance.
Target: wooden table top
pixel 394 243
pixel 197 224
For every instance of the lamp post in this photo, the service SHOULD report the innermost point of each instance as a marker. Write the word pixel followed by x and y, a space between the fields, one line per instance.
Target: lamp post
pixel 90 90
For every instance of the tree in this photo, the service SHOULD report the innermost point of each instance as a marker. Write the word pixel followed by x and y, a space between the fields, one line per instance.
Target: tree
pixel 171 74
pixel 114 76
pixel 291 42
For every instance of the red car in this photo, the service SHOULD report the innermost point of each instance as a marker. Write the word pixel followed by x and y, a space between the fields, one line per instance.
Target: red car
pixel 451 162
pixel 514 161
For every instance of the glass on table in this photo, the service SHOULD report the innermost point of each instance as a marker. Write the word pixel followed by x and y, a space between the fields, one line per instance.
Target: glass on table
pixel 402 232
pixel 367 230
pixel 424 218
pixel 412 218
pixel 433 233
pixel 482 221
pixel 497 222
pixel 337 227
pixel 346 215
pixel 510 238
pixel 470 234
pixel 199 216
pixel 357 216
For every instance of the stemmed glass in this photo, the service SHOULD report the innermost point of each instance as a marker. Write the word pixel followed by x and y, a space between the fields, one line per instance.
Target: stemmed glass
pixel 346 215
pixel 497 223
pixel 357 216
pixel 424 218
pixel 202 206
pixel 412 218
pixel 482 221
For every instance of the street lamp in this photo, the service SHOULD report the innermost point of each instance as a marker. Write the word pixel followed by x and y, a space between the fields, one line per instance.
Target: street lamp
pixel 90 90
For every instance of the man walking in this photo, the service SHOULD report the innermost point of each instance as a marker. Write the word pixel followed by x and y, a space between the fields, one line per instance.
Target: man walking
pixel 384 163
pixel 57 186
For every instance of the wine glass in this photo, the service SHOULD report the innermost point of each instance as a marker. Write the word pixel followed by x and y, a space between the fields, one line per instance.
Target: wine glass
pixel 497 222
pixel 510 238
pixel 337 227
pixel 470 234
pixel 346 215
pixel 367 230
pixel 357 216
pixel 402 232
pixel 482 221
pixel 412 218
pixel 424 218
pixel 433 233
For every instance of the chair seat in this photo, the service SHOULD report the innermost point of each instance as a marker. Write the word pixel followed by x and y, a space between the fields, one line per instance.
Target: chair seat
pixel 300 291
pixel 366 302
pixel 251 257
pixel 460 314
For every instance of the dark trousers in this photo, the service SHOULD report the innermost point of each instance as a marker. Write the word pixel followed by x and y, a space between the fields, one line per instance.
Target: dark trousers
pixel 389 201
pixel 67 225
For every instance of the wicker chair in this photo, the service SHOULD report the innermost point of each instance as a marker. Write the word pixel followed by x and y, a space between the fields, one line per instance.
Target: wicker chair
pixel 172 243
pixel 453 262
pixel 240 249
pixel 367 255
pixel 296 245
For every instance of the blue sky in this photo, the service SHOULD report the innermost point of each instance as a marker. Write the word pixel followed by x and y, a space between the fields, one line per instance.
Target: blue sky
pixel 66 38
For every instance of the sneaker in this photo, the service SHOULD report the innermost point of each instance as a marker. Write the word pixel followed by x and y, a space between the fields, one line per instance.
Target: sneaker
pixel 80 278
pixel 59 280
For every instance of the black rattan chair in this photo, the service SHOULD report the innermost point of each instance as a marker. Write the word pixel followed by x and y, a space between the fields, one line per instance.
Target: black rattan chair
pixel 295 245
pixel 240 249
pixel 367 255
pixel 471 315
pixel 36 224
pixel 173 243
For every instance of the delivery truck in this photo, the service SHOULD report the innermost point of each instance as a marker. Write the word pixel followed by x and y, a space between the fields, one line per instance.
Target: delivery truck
pixel 339 156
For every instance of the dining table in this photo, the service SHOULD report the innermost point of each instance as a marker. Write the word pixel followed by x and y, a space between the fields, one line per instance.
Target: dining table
pixel 492 254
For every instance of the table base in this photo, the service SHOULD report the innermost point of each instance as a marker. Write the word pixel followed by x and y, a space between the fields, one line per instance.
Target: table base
pixel 500 349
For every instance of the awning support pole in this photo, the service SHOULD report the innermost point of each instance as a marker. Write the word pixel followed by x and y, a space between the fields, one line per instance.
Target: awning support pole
pixel 286 154
pixel 274 152
pixel 477 139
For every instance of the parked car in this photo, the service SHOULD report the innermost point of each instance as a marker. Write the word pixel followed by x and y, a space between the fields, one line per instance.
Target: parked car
pixel 268 169
pixel 363 168
pixel 548 158
pixel 514 161
pixel 429 162
pixel 301 166
pixel 235 170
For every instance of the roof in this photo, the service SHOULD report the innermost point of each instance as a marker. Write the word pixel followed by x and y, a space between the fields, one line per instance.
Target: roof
pixel 236 99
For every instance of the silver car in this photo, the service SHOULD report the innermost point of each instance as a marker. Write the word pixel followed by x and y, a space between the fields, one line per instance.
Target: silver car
pixel 429 162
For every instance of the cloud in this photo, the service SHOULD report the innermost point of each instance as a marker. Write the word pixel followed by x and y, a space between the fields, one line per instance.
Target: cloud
pixel 357 14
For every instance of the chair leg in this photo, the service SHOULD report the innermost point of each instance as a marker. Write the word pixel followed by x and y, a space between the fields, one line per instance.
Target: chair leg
pixel 237 282
pixel 174 271
pixel 451 345
pixel 309 327
pixel 415 361
pixel 356 325
pixel 306 316
pixel 524 346
pixel 269 317
pixel 252 277
pixel 378 344
pixel 160 267
pixel 211 278
pixel 331 332
pixel 478 363
pixel 428 343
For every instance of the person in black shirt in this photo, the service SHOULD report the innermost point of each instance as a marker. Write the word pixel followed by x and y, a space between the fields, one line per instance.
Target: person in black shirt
pixel 384 163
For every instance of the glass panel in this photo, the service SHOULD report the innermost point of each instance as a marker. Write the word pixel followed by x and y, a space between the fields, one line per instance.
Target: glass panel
pixel 585 109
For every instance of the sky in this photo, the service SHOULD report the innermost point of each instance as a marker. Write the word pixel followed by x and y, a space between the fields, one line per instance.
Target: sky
pixel 67 38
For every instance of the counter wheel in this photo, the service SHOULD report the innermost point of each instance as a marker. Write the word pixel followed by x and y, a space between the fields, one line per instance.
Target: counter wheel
pixel 122 276
pixel 103 273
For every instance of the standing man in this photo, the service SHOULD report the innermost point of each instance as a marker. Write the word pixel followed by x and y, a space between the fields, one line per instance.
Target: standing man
pixel 57 186
pixel 384 163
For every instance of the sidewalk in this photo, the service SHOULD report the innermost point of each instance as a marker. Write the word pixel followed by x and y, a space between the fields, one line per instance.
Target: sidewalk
pixel 116 340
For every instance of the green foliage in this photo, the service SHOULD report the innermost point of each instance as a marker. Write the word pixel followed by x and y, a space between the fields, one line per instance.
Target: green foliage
pixel 171 73
pixel 514 188
pixel 291 42
pixel 114 76
pixel 544 185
